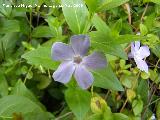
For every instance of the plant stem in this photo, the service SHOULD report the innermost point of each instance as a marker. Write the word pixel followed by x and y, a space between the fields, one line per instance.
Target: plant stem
pixel 25 79
pixel 60 117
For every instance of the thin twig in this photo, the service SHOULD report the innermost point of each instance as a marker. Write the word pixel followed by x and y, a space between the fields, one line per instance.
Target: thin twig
pixel 25 79
pixel 60 117
pixel 127 7
pixel 106 96
pixel 144 12
pixel 127 98
pixel 124 104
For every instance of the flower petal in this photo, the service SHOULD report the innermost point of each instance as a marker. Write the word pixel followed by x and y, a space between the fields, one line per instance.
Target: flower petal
pixel 64 72
pixel 132 48
pixel 83 77
pixel 80 44
pixel 95 61
pixel 142 65
pixel 137 45
pixel 61 51
pixel 144 51
pixel 130 55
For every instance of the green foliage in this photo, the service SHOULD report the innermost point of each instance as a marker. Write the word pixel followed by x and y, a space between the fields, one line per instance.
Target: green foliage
pixel 18 104
pixel 76 17
pixel 42 31
pixel 107 79
pixel 137 106
pixel 40 57
pixel 120 91
pixel 74 98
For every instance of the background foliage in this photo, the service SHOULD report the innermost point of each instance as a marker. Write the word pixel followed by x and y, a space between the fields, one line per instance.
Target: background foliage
pixel 119 92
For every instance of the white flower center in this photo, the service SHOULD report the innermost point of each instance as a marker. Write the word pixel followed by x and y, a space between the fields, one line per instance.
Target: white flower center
pixel 77 59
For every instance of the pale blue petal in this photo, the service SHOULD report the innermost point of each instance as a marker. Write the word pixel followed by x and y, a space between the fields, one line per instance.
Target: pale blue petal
pixel 83 77
pixel 64 72
pixel 144 51
pixel 80 44
pixel 137 45
pixel 130 55
pixel 61 51
pixel 142 65
pixel 132 48
pixel 96 60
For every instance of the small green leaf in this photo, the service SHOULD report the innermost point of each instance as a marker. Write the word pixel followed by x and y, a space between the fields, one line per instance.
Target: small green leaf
pixel 127 80
pixel 158 110
pixel 111 4
pixel 19 104
pixel 76 17
pixel 21 90
pixel 137 106
pixel 143 90
pixel 3 86
pixel 43 81
pixel 143 29
pixel 79 101
pixel 103 41
pixel 107 79
pixel 5 11
pixel 92 5
pixel 100 24
pixel 117 27
pixel 156 50
pixel 120 116
pixel 55 26
pixel 42 31
pixel 145 75
pixel 8 26
pixel 40 56
pixel 128 38
pixel 154 1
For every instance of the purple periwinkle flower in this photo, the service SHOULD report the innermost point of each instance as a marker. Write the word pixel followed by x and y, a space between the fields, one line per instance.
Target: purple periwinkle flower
pixel 139 53
pixel 75 62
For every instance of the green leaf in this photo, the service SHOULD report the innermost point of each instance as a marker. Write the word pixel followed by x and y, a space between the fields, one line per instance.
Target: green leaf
pixel 127 80
pixel 55 26
pixel 40 56
pixel 100 24
pixel 107 79
pixel 76 17
pixel 128 38
pixel 102 39
pixel 42 31
pixel 8 26
pixel 137 106
pixel 156 50
pixel 102 42
pixel 154 1
pixel 43 81
pixel 120 116
pixel 158 110
pixel 79 101
pixel 7 44
pixel 143 29
pixel 30 2
pixel 142 90
pixel 3 86
pixel 18 104
pixel 109 4
pixel 117 27
pixel 20 90
pixel 92 5
pixel 5 11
